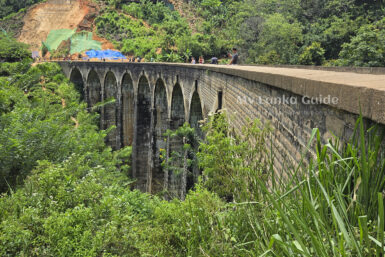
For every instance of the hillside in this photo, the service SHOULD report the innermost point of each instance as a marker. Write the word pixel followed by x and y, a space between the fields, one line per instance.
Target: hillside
pixel 47 16
pixel 33 25
pixel 331 33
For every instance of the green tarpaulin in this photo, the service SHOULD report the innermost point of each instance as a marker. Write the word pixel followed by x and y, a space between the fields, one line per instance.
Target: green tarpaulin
pixel 55 37
pixel 80 41
pixel 83 41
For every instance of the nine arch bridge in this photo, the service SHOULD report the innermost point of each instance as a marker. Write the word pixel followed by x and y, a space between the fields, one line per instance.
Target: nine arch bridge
pixel 154 97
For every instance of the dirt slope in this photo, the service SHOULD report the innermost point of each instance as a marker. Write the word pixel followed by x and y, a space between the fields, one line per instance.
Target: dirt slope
pixel 53 14
pixel 58 14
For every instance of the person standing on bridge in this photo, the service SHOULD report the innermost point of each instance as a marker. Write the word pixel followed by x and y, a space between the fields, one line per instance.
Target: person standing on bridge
pixel 234 57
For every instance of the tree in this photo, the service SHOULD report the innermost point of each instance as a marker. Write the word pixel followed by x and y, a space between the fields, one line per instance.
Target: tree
pixel 211 3
pixel 367 48
pixel 9 6
pixel 313 55
pixel 278 35
pixel 11 50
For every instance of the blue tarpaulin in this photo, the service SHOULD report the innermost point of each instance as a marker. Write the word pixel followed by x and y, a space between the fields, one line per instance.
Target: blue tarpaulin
pixel 105 54
pixel 35 54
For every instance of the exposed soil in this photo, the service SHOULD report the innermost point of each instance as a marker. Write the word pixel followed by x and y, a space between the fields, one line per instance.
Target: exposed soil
pixel 59 14
pixel 105 43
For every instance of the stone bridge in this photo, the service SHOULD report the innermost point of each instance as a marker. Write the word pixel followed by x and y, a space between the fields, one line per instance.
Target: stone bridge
pixel 154 97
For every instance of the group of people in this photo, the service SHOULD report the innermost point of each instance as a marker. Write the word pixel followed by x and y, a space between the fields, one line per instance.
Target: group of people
pixel 214 60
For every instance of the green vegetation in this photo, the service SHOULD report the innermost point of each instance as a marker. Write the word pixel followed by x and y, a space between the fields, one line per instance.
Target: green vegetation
pixel 83 205
pixel 12 51
pixel 367 47
pixel 8 7
pixel 65 193
pixel 13 23
pixel 311 32
pixel 41 119
pixel 155 32
pixel 314 32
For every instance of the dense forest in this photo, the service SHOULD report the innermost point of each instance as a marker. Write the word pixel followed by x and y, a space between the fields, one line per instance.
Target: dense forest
pixel 64 192
pixel 9 7
pixel 312 32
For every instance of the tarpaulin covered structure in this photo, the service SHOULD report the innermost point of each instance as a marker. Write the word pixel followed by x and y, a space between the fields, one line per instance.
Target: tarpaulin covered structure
pixel 55 37
pixel 80 41
pixel 83 41
pixel 105 54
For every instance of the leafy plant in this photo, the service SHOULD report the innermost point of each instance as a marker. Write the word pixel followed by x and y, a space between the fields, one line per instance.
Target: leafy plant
pixel 11 50
pixel 366 48
pixel 312 55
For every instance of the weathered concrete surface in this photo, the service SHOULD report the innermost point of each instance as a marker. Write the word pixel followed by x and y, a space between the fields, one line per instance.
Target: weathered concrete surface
pixel 153 97
pixel 352 89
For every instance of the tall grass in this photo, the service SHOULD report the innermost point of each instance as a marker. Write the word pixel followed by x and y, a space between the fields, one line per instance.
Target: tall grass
pixel 331 207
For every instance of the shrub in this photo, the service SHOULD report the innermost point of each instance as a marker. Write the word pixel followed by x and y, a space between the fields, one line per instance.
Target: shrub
pixel 367 47
pixel 312 55
pixel 11 50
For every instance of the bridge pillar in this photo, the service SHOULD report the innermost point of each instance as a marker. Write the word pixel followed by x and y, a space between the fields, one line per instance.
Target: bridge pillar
pixel 110 115
pixel 94 91
pixel 196 115
pixel 142 146
pixel 119 122
pixel 127 110
pixel 160 126
pixel 176 143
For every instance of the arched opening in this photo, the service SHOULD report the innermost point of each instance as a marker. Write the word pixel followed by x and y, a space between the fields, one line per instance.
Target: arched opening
pixel 143 130
pixel 94 89
pixel 177 108
pixel 77 78
pixel 160 127
pixel 177 181
pixel 110 110
pixel 127 110
pixel 196 115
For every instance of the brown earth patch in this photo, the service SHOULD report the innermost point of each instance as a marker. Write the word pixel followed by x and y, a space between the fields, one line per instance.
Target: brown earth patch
pixel 42 18
pixel 59 14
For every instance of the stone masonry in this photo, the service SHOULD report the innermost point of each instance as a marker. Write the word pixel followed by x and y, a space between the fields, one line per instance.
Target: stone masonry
pixel 154 97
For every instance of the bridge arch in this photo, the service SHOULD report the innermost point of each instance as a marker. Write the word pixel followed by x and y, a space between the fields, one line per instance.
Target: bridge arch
pixel 177 182
pixel 111 110
pixel 177 107
pixel 195 115
pixel 93 90
pixel 143 132
pixel 160 127
pixel 76 78
pixel 128 101
pixel 196 111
